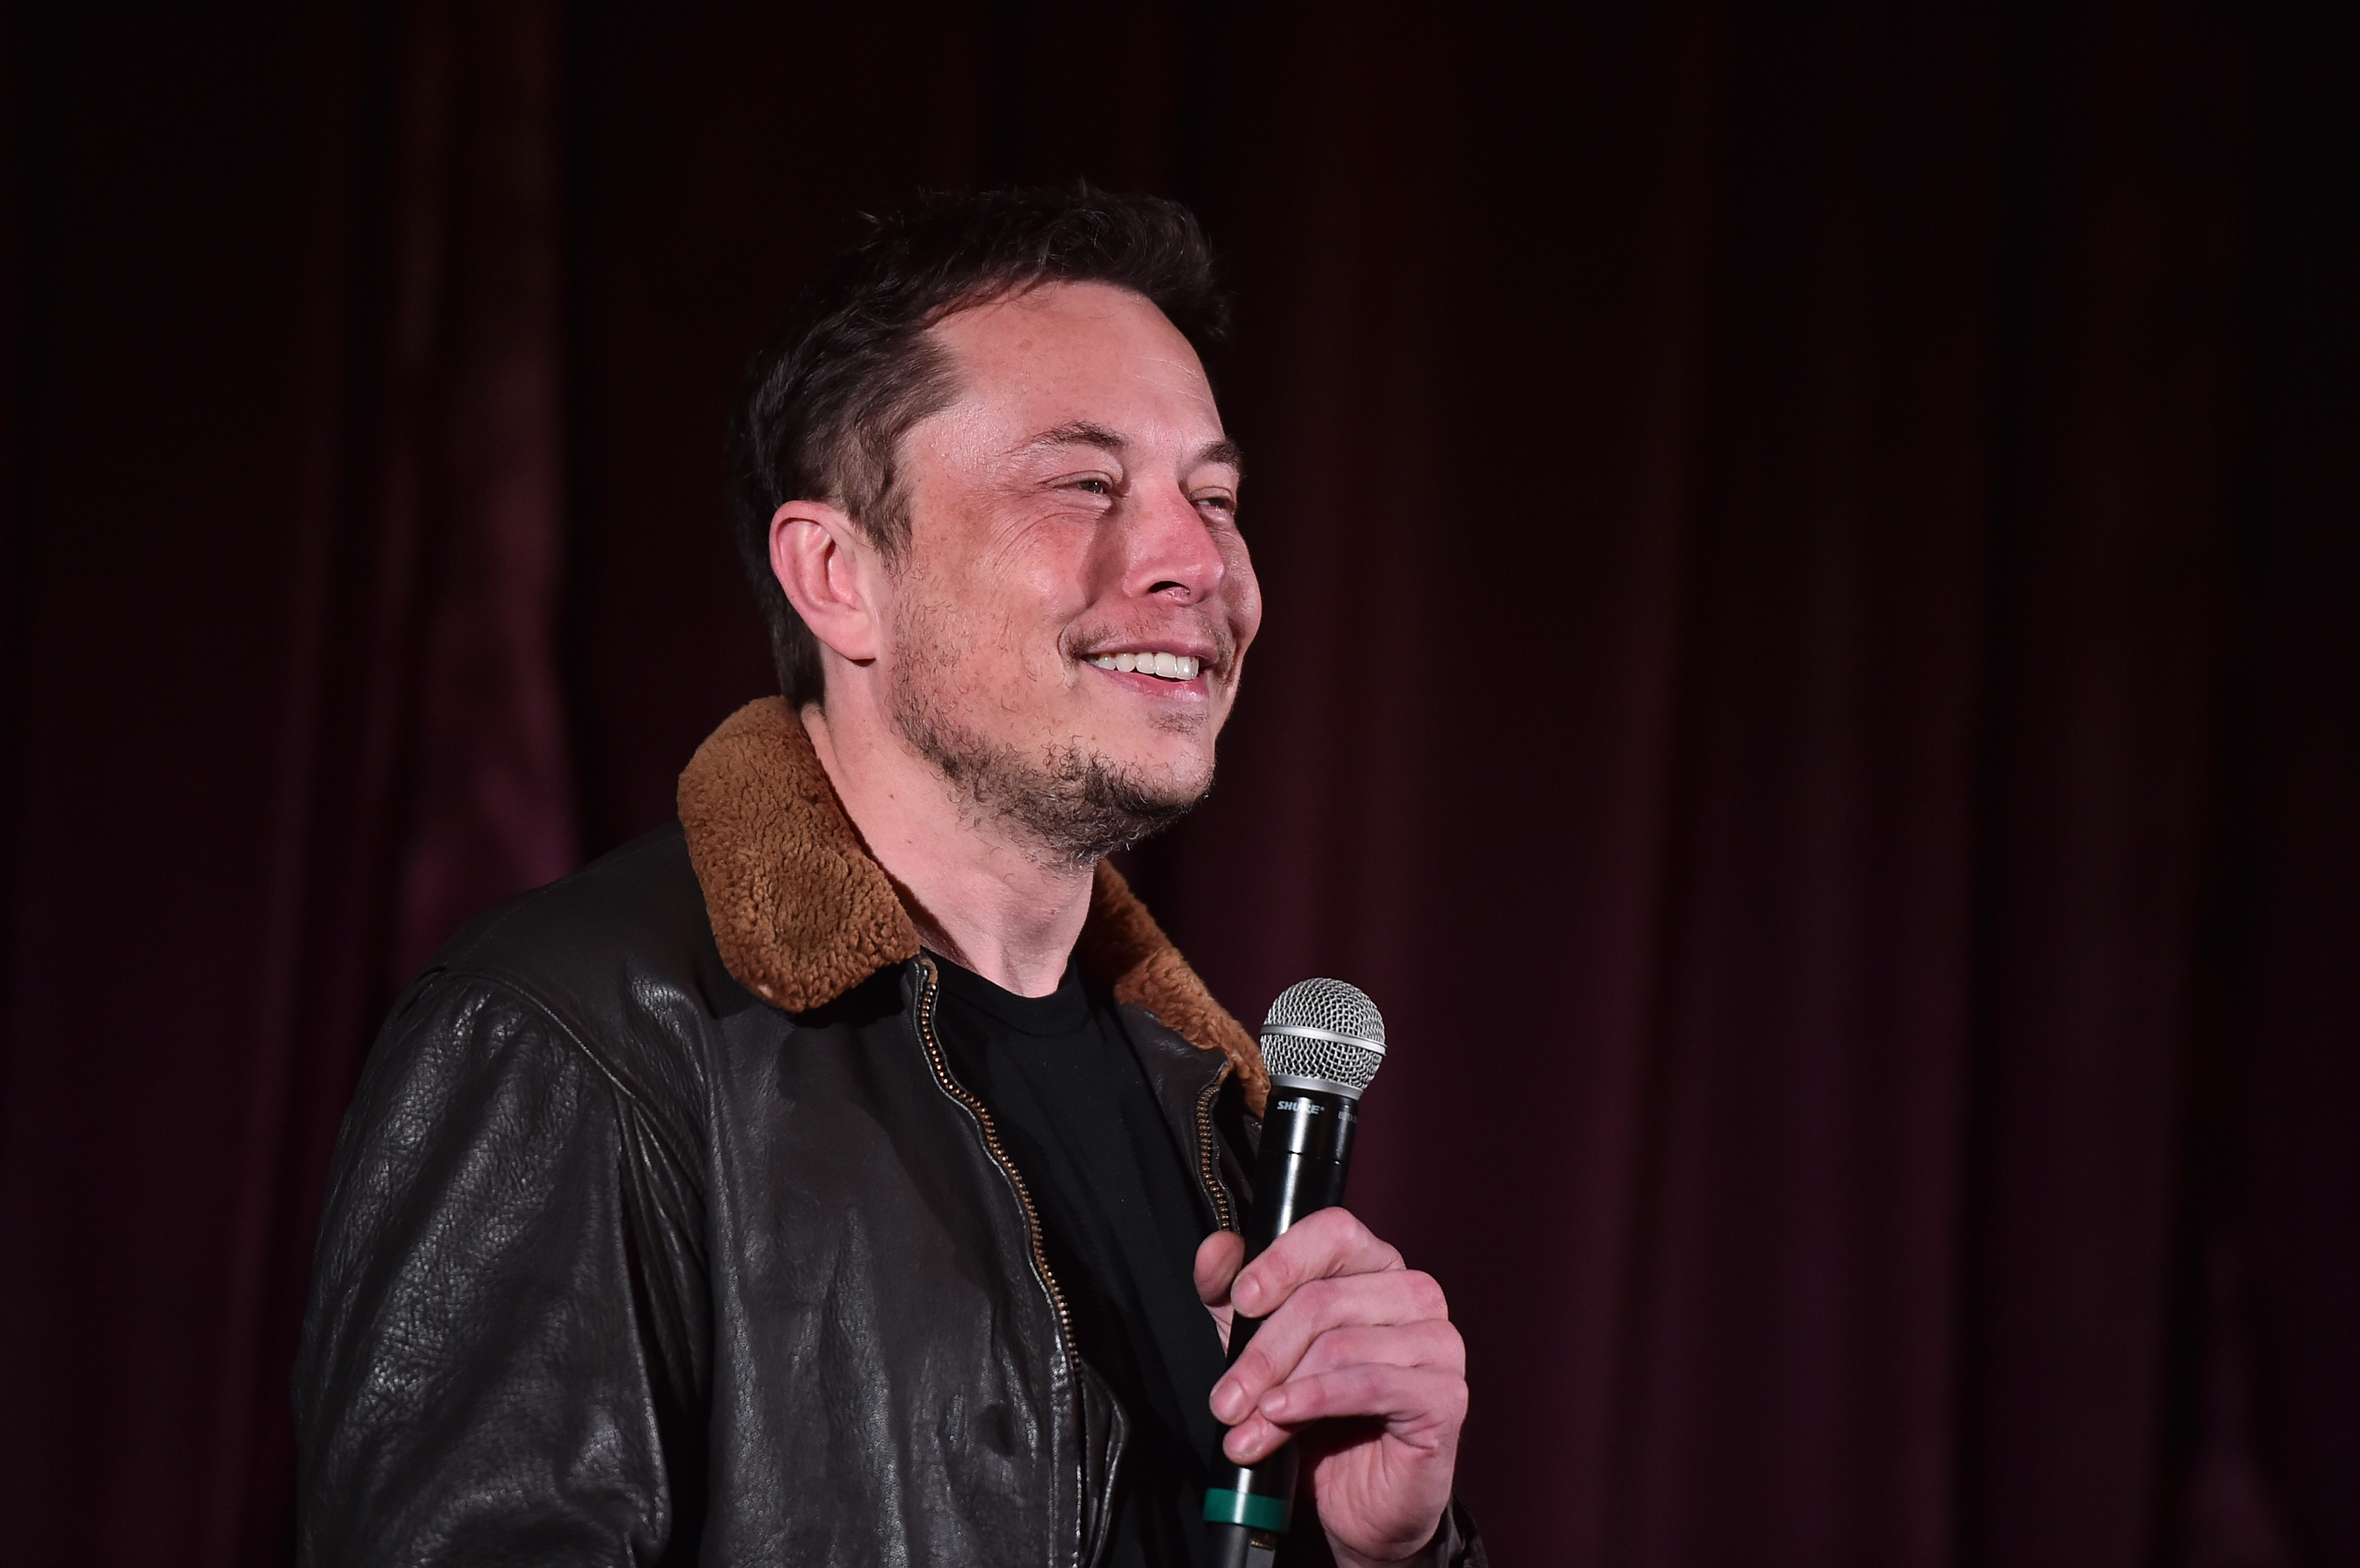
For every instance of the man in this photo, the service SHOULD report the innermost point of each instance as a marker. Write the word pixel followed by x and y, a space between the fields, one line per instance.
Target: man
pixel 851 1173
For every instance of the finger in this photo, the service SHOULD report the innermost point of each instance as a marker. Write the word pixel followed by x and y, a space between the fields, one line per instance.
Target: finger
pixel 1418 1404
pixel 1317 1246
pixel 1427 1346
pixel 1253 1439
pixel 1216 1266
pixel 1435 1345
pixel 1315 1308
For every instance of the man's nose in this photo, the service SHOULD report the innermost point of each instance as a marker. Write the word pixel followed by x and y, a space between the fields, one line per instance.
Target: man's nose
pixel 1169 549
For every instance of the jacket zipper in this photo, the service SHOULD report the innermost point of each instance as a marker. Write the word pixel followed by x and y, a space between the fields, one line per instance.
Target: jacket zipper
pixel 1208 1170
pixel 957 1091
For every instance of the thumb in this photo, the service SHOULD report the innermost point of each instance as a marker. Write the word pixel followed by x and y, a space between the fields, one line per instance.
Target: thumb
pixel 1218 1262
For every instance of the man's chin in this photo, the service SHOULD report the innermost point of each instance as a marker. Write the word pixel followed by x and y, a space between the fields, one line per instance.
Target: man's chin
pixel 1178 775
pixel 1133 796
pixel 1170 752
pixel 1078 801
pixel 1085 808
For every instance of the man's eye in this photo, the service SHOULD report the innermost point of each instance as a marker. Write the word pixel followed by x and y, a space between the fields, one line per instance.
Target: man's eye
pixel 1095 487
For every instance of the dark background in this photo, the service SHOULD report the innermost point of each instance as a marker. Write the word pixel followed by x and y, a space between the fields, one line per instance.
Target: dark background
pixel 1813 669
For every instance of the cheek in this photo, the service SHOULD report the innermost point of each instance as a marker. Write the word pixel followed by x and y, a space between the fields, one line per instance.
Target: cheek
pixel 1013 632
pixel 1004 601
pixel 1037 599
pixel 990 606
pixel 1243 592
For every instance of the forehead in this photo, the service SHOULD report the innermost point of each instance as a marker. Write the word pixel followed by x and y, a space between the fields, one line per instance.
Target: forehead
pixel 1062 351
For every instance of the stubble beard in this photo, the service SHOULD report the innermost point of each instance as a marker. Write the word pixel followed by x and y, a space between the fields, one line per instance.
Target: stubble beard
pixel 1072 807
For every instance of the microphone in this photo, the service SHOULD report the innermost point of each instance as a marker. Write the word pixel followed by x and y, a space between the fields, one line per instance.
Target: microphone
pixel 1323 1043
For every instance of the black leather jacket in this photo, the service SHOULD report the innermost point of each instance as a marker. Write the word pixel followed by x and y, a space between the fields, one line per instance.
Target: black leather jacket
pixel 623 1262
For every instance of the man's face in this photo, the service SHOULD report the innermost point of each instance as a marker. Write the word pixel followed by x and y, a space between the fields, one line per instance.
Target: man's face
pixel 1072 513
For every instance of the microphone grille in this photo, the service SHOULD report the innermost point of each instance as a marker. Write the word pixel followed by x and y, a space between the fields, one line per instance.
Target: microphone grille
pixel 1324 1032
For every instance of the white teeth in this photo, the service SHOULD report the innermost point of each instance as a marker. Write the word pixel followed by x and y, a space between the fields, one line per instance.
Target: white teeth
pixel 1169 666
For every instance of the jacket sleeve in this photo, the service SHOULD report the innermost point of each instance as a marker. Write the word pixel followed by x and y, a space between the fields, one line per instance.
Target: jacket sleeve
pixel 504 1336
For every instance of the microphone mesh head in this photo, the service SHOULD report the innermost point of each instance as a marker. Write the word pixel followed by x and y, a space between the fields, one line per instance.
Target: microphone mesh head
pixel 1324 1032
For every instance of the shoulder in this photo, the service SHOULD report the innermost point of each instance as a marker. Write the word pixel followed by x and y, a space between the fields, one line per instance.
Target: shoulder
pixel 613 965
pixel 624 935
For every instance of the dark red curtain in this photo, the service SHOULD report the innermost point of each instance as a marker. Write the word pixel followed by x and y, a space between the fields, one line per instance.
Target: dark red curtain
pixel 1813 669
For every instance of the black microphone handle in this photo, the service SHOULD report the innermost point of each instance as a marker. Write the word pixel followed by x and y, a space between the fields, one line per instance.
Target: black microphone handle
pixel 1306 1151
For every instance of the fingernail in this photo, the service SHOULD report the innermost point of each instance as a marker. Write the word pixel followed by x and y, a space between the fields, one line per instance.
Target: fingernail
pixel 1229 1400
pixel 1274 1403
pixel 1245 1295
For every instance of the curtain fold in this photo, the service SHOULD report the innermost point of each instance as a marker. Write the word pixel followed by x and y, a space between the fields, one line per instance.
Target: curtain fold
pixel 291 704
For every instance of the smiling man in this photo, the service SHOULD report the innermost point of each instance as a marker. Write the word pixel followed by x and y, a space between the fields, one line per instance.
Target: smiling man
pixel 851 1172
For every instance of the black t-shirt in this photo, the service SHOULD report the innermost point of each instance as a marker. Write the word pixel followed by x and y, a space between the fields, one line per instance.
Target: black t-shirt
pixel 1120 1219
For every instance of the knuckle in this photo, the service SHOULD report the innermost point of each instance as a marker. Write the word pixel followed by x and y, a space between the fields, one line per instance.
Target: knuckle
pixel 1453 1350
pixel 1320 1298
pixel 1339 1348
pixel 1257 1367
pixel 1342 1233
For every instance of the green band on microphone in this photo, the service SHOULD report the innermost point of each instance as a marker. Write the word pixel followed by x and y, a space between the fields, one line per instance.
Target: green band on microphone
pixel 1250 1509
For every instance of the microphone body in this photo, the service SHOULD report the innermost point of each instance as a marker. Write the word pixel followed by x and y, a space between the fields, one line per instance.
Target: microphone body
pixel 1323 1043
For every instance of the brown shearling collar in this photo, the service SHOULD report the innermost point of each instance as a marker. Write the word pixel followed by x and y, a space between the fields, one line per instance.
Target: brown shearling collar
pixel 802 912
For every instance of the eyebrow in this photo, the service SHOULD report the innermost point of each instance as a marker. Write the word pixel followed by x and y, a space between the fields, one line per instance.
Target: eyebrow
pixel 1223 450
pixel 1082 432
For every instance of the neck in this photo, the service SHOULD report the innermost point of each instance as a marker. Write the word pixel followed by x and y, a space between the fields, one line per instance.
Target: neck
pixel 979 895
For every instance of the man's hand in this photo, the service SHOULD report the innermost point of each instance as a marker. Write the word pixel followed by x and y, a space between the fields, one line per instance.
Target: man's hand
pixel 1354 1339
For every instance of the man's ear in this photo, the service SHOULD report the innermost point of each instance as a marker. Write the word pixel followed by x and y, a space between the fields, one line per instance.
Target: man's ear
pixel 829 572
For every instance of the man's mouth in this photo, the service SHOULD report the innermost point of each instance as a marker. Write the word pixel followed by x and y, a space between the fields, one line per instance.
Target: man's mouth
pixel 1163 666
